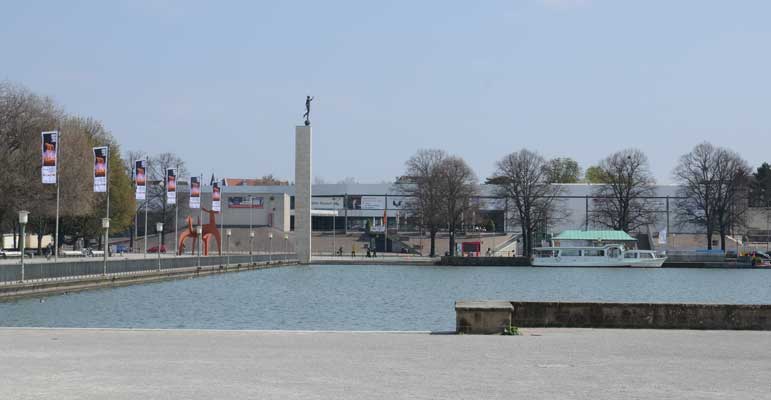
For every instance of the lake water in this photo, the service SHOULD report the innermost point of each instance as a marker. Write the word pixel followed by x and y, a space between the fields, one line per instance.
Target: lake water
pixel 370 297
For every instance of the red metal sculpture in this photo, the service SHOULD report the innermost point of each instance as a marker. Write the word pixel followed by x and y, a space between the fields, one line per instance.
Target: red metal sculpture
pixel 209 230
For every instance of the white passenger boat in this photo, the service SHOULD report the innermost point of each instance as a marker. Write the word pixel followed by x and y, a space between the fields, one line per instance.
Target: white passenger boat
pixel 612 255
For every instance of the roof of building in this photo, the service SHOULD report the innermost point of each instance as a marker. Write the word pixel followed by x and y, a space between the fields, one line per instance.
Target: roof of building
pixel 254 182
pixel 594 235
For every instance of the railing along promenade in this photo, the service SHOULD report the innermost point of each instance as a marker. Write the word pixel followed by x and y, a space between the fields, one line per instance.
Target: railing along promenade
pixel 42 270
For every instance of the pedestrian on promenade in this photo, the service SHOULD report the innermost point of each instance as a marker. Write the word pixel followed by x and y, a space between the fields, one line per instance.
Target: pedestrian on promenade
pixel 353 250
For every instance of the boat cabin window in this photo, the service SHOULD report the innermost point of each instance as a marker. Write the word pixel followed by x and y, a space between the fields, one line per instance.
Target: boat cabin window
pixel 630 255
pixel 570 252
pixel 545 253
pixel 594 253
pixel 646 255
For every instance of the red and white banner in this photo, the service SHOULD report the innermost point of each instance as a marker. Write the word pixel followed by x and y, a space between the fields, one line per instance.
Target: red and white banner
pixel 50 149
pixel 216 198
pixel 195 192
pixel 171 186
pixel 101 157
pixel 140 178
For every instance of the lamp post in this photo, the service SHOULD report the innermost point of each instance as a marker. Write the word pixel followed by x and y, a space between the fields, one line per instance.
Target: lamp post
pixel 286 246
pixel 106 227
pixel 251 246
pixel 199 232
pixel 159 230
pixel 23 218
pixel 228 232
pixel 270 247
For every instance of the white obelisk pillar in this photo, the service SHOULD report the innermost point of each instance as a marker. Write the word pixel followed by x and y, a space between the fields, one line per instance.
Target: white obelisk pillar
pixel 302 195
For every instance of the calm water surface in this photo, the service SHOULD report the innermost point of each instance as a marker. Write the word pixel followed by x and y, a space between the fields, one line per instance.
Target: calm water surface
pixel 369 297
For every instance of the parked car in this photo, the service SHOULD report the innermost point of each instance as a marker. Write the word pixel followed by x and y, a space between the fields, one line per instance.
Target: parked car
pixel 121 248
pixel 154 249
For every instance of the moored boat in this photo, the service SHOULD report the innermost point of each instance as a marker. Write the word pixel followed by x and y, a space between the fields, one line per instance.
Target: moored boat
pixel 612 255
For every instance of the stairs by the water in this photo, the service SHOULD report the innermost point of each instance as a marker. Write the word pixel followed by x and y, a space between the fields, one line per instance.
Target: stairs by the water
pixel 643 241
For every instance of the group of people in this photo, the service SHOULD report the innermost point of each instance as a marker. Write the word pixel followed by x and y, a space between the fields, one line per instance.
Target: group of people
pixel 370 252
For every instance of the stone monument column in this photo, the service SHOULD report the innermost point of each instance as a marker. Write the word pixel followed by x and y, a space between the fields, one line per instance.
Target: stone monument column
pixel 302 194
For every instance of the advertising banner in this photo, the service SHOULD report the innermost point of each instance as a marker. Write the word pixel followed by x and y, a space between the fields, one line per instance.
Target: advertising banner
pixel 397 202
pixel 243 202
pixel 216 197
pixel 140 179
pixel 373 202
pixel 50 150
pixel 101 155
pixel 327 203
pixel 171 186
pixel 663 236
pixel 195 192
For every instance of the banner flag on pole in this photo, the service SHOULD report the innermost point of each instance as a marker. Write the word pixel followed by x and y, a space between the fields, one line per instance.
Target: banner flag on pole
pixel 50 149
pixel 663 236
pixel 195 192
pixel 171 186
pixel 140 178
pixel 101 157
pixel 216 197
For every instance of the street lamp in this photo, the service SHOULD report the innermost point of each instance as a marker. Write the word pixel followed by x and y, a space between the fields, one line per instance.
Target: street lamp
pixel 251 246
pixel 106 227
pixel 228 232
pixel 199 231
pixel 159 230
pixel 270 247
pixel 286 246
pixel 23 218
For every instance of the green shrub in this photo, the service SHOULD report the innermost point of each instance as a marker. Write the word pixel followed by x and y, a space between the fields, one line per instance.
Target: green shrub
pixel 511 330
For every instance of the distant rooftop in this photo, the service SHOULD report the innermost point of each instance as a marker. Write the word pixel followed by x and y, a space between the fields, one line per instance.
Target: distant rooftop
pixel 610 236
pixel 254 182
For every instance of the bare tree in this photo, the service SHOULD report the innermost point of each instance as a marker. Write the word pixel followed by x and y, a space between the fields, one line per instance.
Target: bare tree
pixel 523 177
pixel 623 201
pixel 457 185
pixel 421 186
pixel 157 195
pixel 713 190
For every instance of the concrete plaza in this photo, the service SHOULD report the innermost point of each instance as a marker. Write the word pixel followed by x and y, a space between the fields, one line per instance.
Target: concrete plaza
pixel 541 364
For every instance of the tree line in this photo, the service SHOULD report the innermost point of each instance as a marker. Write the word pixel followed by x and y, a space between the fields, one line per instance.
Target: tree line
pixel 716 187
pixel 23 116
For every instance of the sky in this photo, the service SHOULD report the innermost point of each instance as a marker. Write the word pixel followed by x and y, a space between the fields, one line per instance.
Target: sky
pixel 223 84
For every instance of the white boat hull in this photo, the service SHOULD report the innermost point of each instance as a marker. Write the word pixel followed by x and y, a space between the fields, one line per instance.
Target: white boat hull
pixel 597 262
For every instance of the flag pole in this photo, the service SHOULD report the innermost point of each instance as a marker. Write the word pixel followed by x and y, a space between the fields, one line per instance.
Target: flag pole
pixel 107 231
pixel 176 212
pixel 222 220
pixel 147 200
pixel 58 168
pixel 200 216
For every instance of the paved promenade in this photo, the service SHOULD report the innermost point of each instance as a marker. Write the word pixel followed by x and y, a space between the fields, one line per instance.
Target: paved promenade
pixel 543 364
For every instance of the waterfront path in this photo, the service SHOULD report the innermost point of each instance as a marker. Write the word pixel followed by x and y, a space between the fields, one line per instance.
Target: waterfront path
pixel 542 364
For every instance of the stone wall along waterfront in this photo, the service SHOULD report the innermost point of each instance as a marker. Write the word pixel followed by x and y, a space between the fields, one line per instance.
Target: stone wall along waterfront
pixel 484 317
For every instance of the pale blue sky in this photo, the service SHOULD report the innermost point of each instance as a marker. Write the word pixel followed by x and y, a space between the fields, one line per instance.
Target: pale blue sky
pixel 478 79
